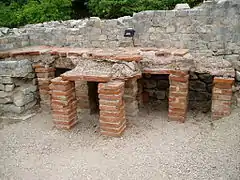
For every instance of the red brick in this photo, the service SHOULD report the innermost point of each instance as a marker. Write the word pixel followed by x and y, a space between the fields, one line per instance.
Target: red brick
pixel 176 113
pixel 65 116
pixel 112 85
pixel 44 87
pixel 156 71
pixel 221 97
pixel 62 98
pixel 177 118
pixel 129 58
pixel 112 118
pixel 44 91
pixel 178 94
pixel 179 73
pixel 110 97
pixel 63 102
pixel 172 99
pixel 173 105
pixel 63 93
pixel 59 81
pixel 60 106
pixel 110 91
pixel 67 127
pixel 109 108
pixel 44 70
pixel 57 87
pixel 112 113
pixel 111 124
pixel 179 84
pixel 23 52
pixel 111 103
pixel 223 86
pixel 220 80
pixel 44 81
pixel 112 129
pixel 222 91
pixel 45 75
pixel 38 65
pixel 178 78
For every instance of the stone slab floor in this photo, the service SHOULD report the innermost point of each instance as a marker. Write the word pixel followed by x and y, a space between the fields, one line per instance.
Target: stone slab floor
pixel 151 148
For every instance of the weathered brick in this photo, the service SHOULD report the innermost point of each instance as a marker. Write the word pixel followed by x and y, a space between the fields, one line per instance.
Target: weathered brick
pixel 183 79
pixel 44 70
pixel 111 97
pixel 113 129
pixel 220 80
pixel 46 75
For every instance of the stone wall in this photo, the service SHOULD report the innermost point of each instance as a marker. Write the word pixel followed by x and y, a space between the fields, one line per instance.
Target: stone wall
pixel 210 29
pixel 200 91
pixel 156 88
pixel 18 90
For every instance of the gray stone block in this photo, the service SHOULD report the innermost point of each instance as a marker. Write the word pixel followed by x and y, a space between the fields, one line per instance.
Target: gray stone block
pixel 13 108
pixel 160 94
pixel 7 80
pixel 148 83
pixel 1 87
pixel 30 105
pixel 9 87
pixel 197 85
pixel 199 96
pixel 15 68
pixel 4 94
pixel 28 90
pixel 182 6
pixel 19 99
pixel 205 77
pixel 237 75
pixel 5 100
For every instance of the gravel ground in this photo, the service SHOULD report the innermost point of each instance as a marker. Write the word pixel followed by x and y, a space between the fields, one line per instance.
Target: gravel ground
pixel 151 148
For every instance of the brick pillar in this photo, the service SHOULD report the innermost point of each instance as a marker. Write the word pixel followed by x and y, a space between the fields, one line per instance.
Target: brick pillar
pixel 44 76
pixel 178 96
pixel 82 95
pixel 221 97
pixel 130 98
pixel 63 103
pixel 111 105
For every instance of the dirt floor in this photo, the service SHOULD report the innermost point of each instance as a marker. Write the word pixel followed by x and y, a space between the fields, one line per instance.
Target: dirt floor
pixel 151 149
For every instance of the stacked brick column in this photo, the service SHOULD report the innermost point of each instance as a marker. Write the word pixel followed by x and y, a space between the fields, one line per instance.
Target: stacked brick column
pixel 221 97
pixel 44 76
pixel 112 109
pixel 178 96
pixel 82 95
pixel 63 103
pixel 130 98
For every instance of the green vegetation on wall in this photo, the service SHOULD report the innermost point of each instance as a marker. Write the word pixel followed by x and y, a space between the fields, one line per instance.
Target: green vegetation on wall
pixel 15 13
